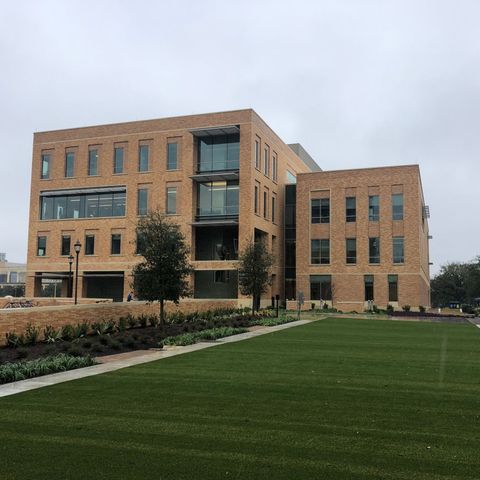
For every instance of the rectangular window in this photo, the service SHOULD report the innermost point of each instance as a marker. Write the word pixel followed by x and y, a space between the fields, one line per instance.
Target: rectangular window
pixel 41 246
pixel 393 288
pixel 397 206
pixel 218 153
pixel 171 200
pixel 69 164
pixel 274 201
pixel 217 199
pixel 45 173
pixel 374 250
pixel 118 158
pixel 351 250
pixel 65 249
pixel 320 251
pixel 350 209
pixel 116 244
pixel 256 198
pixel 265 204
pixel 92 162
pixel 274 167
pixel 221 276
pixel 142 201
pixel 172 152
pixel 369 291
pixel 257 154
pixel 398 250
pixel 89 244
pixel 143 158
pixel 320 287
pixel 374 208
pixel 320 210
pixel 266 160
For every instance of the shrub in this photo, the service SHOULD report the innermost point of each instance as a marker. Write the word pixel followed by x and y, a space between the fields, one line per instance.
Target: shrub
pixel 115 345
pixel 375 309
pixel 68 333
pixel 131 320
pixel 102 328
pixel 75 351
pixel 12 372
pixel 51 335
pixel 406 308
pixel 22 352
pixel 466 308
pixel 142 320
pixel 105 340
pixel 14 340
pixel 31 334
pixel 122 324
pixel 98 348
pixel 210 334
pixel 153 320
pixel 421 309
pixel 129 342
pixel 390 308
pixel 81 330
pixel 86 344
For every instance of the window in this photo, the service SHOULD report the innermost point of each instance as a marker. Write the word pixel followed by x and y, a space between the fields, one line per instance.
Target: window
pixel 92 162
pixel 118 159
pixel 143 158
pixel 171 200
pixel 369 291
pixel 265 204
pixel 142 201
pixel 41 246
pixel 350 209
pixel 374 249
pixel 65 248
pixel 274 167
pixel 69 164
pixel 217 199
pixel 374 208
pixel 89 244
pixel 45 173
pixel 266 160
pixel 221 276
pixel 256 198
pixel 398 250
pixel 291 178
pixel 393 288
pixel 320 210
pixel 397 206
pixel 116 244
pixel 274 201
pixel 220 152
pixel 257 154
pixel 320 287
pixel 320 251
pixel 140 243
pixel 351 250
pixel 13 277
pixel 172 152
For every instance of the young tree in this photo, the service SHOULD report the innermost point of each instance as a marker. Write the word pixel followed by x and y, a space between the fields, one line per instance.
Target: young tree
pixel 254 265
pixel 163 274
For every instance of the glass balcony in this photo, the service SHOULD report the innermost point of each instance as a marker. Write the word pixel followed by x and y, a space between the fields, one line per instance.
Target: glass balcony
pixel 217 200
pixel 218 153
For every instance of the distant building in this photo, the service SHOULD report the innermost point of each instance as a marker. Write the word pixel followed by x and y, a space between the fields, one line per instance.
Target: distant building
pixel 11 273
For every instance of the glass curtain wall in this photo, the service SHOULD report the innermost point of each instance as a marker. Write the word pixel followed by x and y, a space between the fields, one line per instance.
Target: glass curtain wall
pixel 218 153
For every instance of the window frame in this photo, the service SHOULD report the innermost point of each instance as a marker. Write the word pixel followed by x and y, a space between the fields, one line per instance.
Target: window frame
pixel 119 235
pixel 69 164
pixel 41 239
pixel 86 250
pixel 44 161
pixel 373 210
pixel 62 245
pixel 118 161
pixel 142 147
pixel 142 196
pixel 372 259
pixel 348 258
pixel 398 215
pixel 172 164
pixel 349 217
pixel 171 190
pixel 323 203
pixel 396 242
pixel 319 251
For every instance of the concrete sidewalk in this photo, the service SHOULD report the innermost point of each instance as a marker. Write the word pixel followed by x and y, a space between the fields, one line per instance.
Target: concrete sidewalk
pixel 129 359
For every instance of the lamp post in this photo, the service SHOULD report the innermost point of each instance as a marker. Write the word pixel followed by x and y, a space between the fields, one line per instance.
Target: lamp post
pixel 77 247
pixel 69 289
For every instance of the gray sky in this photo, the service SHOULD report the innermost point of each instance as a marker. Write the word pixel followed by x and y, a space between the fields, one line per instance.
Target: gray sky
pixel 359 83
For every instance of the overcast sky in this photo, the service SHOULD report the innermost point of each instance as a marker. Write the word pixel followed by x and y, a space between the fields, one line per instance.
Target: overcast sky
pixel 358 83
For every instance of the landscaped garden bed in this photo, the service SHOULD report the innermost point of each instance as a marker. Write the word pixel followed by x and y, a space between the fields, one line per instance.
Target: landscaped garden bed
pixel 131 333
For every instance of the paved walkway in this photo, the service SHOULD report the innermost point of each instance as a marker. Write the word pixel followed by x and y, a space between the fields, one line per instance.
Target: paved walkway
pixel 128 359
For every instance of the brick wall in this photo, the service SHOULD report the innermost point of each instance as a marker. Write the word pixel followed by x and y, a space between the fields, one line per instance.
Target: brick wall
pixel 57 316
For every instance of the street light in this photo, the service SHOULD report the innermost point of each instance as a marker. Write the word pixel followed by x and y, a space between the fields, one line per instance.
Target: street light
pixel 69 289
pixel 77 247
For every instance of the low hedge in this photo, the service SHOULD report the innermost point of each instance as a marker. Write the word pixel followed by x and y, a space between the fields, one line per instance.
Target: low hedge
pixel 13 372
pixel 209 334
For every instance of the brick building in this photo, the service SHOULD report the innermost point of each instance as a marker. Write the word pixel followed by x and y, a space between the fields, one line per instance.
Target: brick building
pixel 224 177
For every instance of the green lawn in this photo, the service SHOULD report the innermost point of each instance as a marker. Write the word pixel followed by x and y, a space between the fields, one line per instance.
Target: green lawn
pixel 335 399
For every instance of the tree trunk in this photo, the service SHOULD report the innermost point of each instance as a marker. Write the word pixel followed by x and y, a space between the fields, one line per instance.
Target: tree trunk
pixel 162 314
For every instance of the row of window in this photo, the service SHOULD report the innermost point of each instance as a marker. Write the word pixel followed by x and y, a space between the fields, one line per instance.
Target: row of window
pixel 320 209
pixel 119 159
pixel 89 245
pixel 266 204
pixel 269 162
pixel 321 287
pixel 320 250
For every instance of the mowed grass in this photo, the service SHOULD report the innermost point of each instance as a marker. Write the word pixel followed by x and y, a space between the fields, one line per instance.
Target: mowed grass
pixel 335 399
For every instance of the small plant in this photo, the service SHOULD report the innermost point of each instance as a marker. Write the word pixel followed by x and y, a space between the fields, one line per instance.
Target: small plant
pixel 142 320
pixel 115 345
pixel 100 328
pixel 14 340
pixel 81 330
pixel 86 344
pixel 75 351
pixel 421 309
pixel 153 320
pixel 68 333
pixel 466 308
pixel 129 342
pixel 390 308
pixel 406 308
pixel 131 320
pixel 51 334
pixel 122 324
pixel 31 334
pixel 104 340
